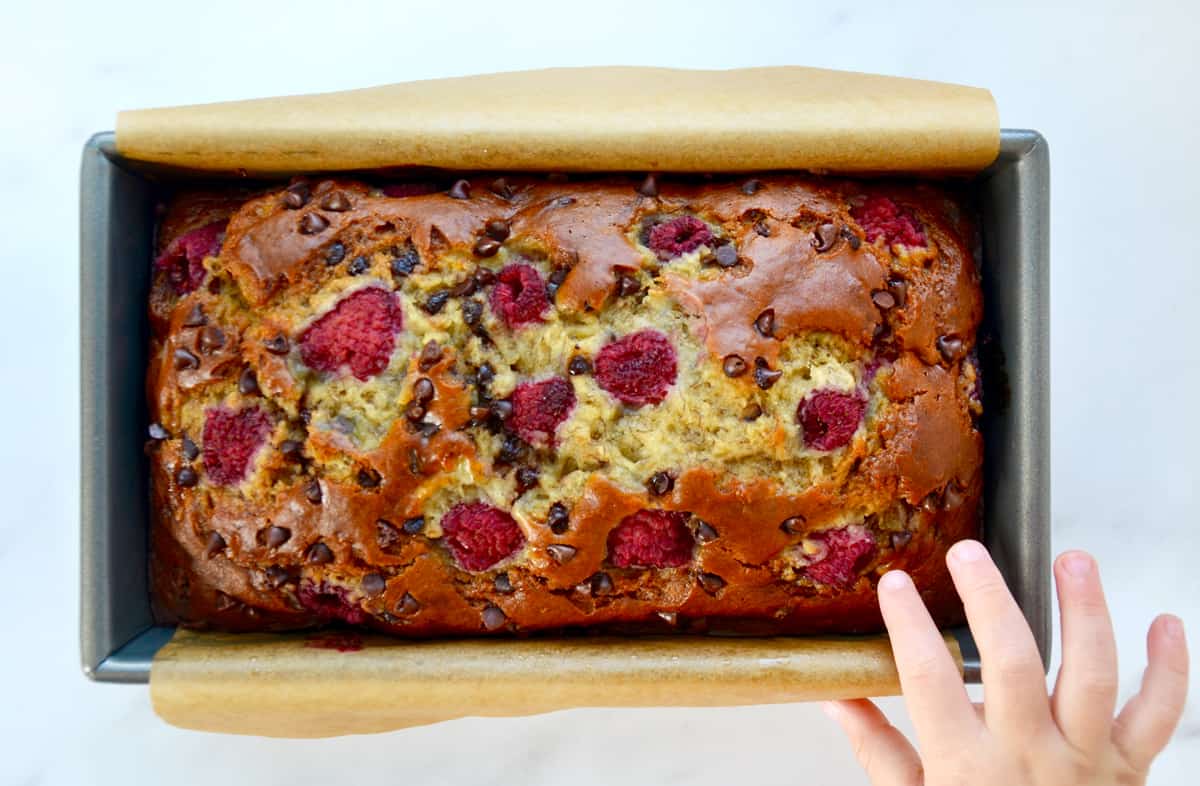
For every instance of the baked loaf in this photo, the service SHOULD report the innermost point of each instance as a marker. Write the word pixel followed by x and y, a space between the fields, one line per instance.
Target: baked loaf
pixel 546 403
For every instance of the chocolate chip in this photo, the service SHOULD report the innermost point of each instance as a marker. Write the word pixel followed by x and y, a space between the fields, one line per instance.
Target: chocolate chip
pixel 526 478
pixel 952 497
pixel 484 277
pixel 312 490
pixel 602 583
pixel 436 302
pixel 431 353
pixel 705 532
pixel 318 554
pixel 278 345
pixel 558 518
pixel 555 281
pixel 511 449
pixel 479 413
pixel 669 617
pixel 214 546
pixel 211 339
pixel 185 360
pixel 335 202
pixel 291 449
pixel 824 237
pixel 369 478
pixel 373 584
pixel 501 188
pixel 157 432
pixel 726 255
pixel 502 584
pixel 414 412
pixel 932 502
pixel 472 312
pixel 711 582
pixel 408 605
pixel 649 186
pixel 734 366
pixel 793 525
pixel 484 374
pixel 313 224
pixel 277 536
pixel 764 377
pixel 296 196
pixel 386 535
pixel 951 347
pixel 278 576
pixel 883 299
pixel 414 525
pixel 578 366
pixel 765 324
pixel 751 187
pixel 187 477
pixel 502 409
pixel 752 411
pixel 427 430
pixel 493 617
pixel 423 390
pixel 660 483
pixel 460 190
pixel 562 201
pixel 762 228
pixel 627 285
pixel 497 229
pixel 854 240
pixel 359 266
pixel 195 317
pixel 900 539
pixel 561 552
pixel 486 247
pixel 404 261
pixel 305 415
pixel 899 289
pixel 248 383
pixel 190 450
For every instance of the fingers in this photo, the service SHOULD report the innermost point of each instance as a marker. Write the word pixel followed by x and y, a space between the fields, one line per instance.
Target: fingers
pixel 1145 726
pixel 932 684
pixel 1014 683
pixel 880 748
pixel 1086 692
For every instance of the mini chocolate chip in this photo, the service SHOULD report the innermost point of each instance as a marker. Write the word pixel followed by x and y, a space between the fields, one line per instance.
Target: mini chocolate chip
pixel 485 374
pixel 793 525
pixel 952 497
pixel 195 317
pixel 277 536
pixel 726 255
pixel 431 353
pixel 436 302
pixel 751 187
pixel 899 289
pixel 369 478
pixel 414 525
pixel 386 535
pixel 627 285
pixel 460 190
pixel 484 277
pixel 669 617
pixel 493 617
pixel 762 228
pixel 312 490
pixel 734 366
pixel 854 240
pixel 511 449
pixel 711 582
pixel 335 254
pixel 296 196
pixel 486 247
pixel 423 390
pixel 558 518
pixel 464 288
pixel 278 345
pixel 187 477
pixel 472 312
pixel 561 552
pixel 479 413
pixel 501 188
pixel 950 346
pixel 212 338
pixel 313 224
pixel 157 432
pixel 306 415
pixel 291 449
pixel 408 605
pixel 900 539
pixel 883 299
pixel 190 450
pixel 660 483
pixel 765 324
pixel 502 584
pixel 335 202
pixel 764 377
pixel 649 186
pixel 602 583
pixel 318 554
pixel 526 478
pixel 248 383
pixel 502 409
pixel 278 576
pixel 185 360
pixel 373 584
pixel 578 366
pixel 359 266
pixel 932 502
pixel 824 237
pixel 705 532
pixel 404 261
pixel 752 411
pixel 562 201
pixel 214 546
pixel 427 430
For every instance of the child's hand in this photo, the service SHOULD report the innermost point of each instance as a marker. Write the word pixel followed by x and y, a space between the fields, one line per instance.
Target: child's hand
pixel 1020 735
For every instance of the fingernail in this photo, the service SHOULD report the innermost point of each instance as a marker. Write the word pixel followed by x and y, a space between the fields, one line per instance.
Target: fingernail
pixel 832 710
pixel 968 551
pixel 1077 564
pixel 1172 626
pixel 894 581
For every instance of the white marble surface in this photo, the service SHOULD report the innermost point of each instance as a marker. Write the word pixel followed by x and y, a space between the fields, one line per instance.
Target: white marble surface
pixel 1108 84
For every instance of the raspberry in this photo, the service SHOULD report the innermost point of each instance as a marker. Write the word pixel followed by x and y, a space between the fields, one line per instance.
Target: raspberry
pixel 539 408
pixel 881 217
pixel 409 189
pixel 479 535
pixel 184 258
pixel 678 236
pixel 519 297
pixel 651 539
pixel 330 602
pixel 359 332
pixel 637 369
pixel 231 438
pixel 829 418
pixel 847 549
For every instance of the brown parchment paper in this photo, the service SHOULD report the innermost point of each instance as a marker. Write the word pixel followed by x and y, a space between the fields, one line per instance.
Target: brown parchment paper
pixel 282 686
pixel 588 119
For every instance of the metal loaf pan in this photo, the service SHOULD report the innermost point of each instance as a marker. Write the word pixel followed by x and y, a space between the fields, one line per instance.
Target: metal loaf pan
pixel 117 633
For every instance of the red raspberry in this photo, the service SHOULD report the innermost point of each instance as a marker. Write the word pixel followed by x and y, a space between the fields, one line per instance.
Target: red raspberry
pixel 184 258
pixel 678 236
pixel 330 602
pixel 651 539
pixel 479 535
pixel 637 369
pixel 881 217
pixel 539 408
pixel 519 297
pixel 829 418
pixel 231 438
pixel 847 548
pixel 359 332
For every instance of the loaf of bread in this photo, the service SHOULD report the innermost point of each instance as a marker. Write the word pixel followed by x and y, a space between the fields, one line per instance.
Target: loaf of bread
pixel 533 403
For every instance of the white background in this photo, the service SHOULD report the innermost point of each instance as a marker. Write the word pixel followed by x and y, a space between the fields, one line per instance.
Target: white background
pixel 1113 88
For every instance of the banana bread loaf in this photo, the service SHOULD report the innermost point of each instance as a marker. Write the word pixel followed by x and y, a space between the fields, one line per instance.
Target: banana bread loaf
pixel 546 403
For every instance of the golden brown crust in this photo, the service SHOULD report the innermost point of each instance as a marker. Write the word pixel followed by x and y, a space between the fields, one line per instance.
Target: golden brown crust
pixel 910 478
